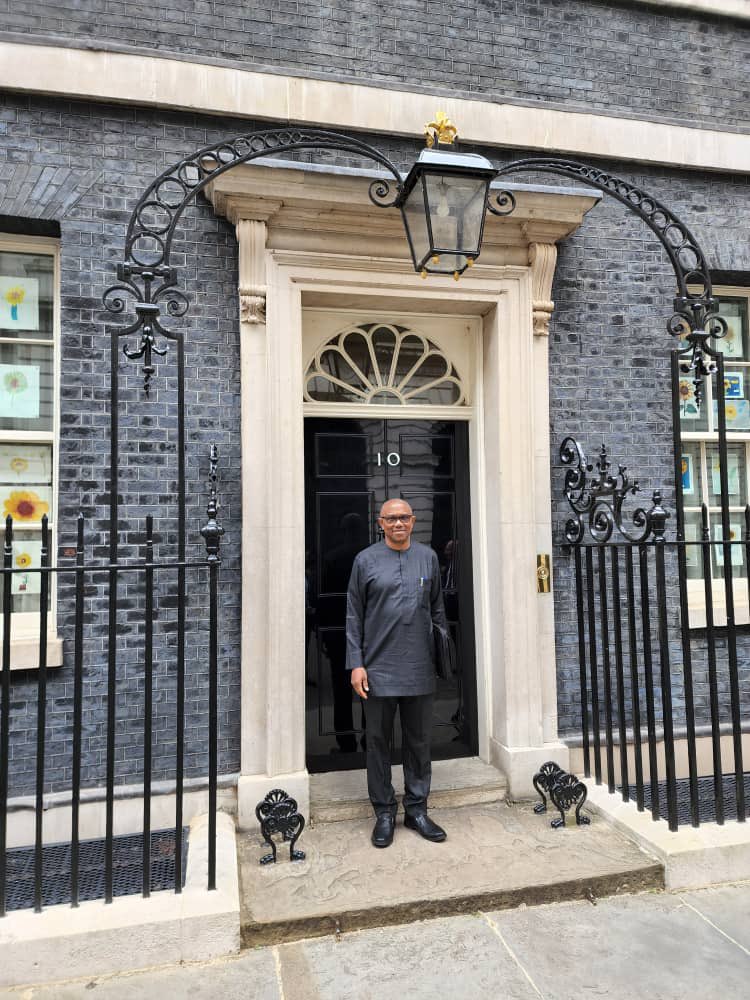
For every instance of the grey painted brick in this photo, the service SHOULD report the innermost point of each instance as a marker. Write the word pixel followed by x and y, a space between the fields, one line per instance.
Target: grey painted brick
pixel 658 63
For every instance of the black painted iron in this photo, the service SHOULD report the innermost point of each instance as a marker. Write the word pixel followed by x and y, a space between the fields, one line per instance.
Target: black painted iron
pixel 568 792
pixel 564 790
pixel 640 614
pixel 278 814
pixel 695 319
pixel 598 502
pixel 543 781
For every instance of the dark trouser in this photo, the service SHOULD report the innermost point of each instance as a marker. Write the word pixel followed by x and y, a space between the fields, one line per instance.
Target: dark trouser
pixel 416 723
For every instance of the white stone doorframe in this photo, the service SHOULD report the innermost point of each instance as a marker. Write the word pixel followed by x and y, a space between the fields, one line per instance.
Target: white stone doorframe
pixel 292 227
pixel 510 498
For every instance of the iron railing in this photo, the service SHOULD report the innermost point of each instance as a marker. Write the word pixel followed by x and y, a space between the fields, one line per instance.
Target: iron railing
pixel 639 651
pixel 157 579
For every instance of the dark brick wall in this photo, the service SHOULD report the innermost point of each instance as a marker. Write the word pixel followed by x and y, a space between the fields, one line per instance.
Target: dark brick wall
pixel 583 54
pixel 609 381
pixel 113 153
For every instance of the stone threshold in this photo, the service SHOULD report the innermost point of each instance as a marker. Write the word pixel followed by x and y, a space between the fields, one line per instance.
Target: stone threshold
pixel 342 795
pixel 496 856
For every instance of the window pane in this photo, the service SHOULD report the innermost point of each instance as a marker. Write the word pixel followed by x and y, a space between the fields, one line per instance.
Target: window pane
pixel 736 404
pixel 26 295
pixel 26 482
pixel 692 475
pixel 26 389
pixel 26 586
pixel 735 343
pixel 737 554
pixel 693 554
pixel 736 475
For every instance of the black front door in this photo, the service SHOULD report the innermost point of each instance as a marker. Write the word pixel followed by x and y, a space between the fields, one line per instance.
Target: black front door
pixel 351 467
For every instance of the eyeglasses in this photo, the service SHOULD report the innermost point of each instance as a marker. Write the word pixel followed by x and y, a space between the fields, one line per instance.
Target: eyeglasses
pixel 395 518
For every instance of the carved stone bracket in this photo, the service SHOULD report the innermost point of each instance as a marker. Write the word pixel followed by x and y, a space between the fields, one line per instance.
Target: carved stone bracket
pixel 252 306
pixel 251 234
pixel 542 258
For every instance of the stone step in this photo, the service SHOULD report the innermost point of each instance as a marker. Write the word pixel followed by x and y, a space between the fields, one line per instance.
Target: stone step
pixel 342 795
pixel 496 856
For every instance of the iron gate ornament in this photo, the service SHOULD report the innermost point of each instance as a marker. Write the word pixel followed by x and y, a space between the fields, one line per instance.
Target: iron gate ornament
pixel 565 791
pixel 278 813
pixel 543 781
pixel 599 500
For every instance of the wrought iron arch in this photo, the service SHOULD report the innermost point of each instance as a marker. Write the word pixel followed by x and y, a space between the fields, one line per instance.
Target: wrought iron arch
pixel 146 276
pixel 695 318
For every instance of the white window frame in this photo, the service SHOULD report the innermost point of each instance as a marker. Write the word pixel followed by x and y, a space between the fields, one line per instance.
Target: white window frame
pixel 696 587
pixel 25 624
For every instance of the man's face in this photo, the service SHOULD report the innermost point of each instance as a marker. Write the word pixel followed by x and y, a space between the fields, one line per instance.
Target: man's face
pixel 397 521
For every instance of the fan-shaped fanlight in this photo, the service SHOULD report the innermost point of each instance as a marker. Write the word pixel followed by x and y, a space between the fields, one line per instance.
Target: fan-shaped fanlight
pixel 381 363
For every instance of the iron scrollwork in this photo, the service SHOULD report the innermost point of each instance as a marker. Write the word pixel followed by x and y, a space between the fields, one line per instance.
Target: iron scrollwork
pixel 599 500
pixel 543 781
pixel 148 281
pixel 695 319
pixel 212 530
pixel 568 791
pixel 565 790
pixel 278 813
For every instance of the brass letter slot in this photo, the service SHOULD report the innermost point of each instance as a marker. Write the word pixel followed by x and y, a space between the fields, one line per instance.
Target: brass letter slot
pixel 543 576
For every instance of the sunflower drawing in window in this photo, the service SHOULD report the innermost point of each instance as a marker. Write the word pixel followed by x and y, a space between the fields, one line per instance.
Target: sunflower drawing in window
pixel 23 561
pixel 689 409
pixel 737 412
pixel 25 505
pixel 14 297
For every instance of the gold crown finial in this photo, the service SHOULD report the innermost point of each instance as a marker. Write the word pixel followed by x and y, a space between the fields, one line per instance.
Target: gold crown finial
pixel 442 131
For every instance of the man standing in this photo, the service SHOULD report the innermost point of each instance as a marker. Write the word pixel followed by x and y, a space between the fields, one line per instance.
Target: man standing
pixel 394 598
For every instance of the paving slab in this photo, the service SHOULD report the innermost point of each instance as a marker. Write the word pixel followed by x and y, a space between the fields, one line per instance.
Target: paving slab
pixel 454 957
pixel 496 855
pixel 650 945
pixel 250 976
pixel 728 907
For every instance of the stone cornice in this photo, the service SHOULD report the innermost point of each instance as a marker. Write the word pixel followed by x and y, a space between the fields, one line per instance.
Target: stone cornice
pixel 312 209
pixel 152 80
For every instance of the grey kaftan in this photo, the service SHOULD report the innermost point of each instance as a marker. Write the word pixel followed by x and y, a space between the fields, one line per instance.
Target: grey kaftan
pixel 393 599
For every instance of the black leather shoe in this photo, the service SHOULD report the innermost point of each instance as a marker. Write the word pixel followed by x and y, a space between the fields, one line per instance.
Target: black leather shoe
pixel 424 826
pixel 382 832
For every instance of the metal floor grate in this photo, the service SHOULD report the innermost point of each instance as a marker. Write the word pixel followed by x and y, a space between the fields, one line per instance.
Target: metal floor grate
pixel 127 855
pixel 705 798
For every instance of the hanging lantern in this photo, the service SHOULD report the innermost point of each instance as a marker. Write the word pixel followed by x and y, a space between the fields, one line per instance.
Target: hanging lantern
pixel 444 202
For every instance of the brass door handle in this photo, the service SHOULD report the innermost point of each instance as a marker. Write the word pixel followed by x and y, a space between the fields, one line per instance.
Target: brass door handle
pixel 543 574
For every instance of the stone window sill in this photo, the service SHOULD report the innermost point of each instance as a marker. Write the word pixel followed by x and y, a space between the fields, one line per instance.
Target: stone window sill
pixel 24 653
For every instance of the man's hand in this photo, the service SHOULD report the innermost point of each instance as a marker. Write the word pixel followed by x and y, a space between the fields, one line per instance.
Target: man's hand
pixel 359 682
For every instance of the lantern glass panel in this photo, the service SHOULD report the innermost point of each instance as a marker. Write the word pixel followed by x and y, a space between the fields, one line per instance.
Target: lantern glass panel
pixel 415 220
pixel 457 205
